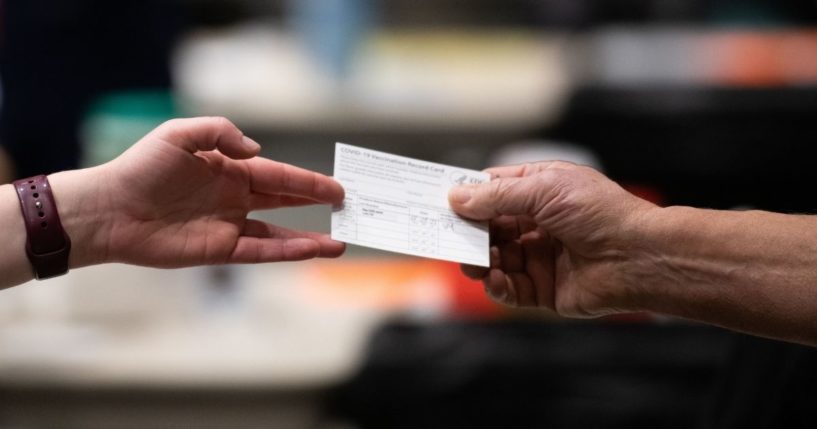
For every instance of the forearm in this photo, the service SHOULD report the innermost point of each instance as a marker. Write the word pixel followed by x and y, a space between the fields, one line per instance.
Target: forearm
pixel 754 271
pixel 82 213
pixel 14 267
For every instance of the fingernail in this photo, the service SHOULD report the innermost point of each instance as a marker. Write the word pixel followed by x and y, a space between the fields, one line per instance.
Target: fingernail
pixel 499 296
pixel 250 143
pixel 461 194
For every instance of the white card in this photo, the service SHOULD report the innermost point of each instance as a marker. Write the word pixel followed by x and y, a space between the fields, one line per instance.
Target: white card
pixel 400 205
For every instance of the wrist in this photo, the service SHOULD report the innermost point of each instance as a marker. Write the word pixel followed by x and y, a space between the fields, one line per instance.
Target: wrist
pixel 14 265
pixel 83 211
pixel 672 259
pixel 647 253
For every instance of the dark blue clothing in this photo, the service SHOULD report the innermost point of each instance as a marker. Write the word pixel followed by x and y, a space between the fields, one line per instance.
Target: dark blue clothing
pixel 59 55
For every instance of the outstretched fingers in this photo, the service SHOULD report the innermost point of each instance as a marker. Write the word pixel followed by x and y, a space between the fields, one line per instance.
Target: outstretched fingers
pixel 273 178
pixel 261 242
pixel 252 250
pixel 268 202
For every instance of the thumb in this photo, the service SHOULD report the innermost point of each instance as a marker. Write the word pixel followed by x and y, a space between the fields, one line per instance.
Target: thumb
pixel 508 196
pixel 206 134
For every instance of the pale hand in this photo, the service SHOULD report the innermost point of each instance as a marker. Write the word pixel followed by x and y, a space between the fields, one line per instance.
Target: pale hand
pixel 180 197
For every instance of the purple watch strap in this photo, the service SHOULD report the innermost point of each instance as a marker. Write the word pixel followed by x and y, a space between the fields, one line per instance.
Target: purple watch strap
pixel 47 246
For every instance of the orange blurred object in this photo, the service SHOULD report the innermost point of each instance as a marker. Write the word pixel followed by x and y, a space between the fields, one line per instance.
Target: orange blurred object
pixel 763 59
pixel 395 285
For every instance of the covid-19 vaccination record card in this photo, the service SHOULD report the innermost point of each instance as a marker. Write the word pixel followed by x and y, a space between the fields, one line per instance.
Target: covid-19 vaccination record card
pixel 401 205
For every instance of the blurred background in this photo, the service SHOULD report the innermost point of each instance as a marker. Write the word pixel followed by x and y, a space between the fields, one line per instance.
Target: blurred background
pixel 709 103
